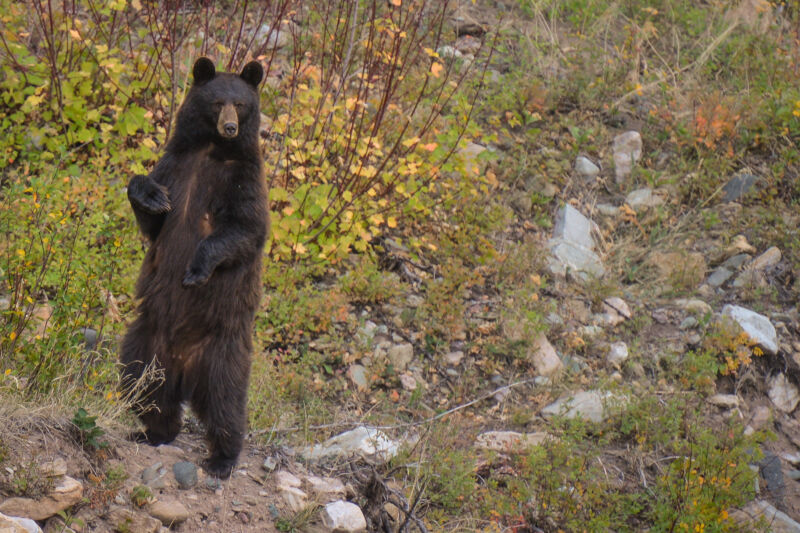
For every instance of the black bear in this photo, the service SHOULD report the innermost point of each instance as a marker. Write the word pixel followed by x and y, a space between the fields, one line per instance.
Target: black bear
pixel 204 210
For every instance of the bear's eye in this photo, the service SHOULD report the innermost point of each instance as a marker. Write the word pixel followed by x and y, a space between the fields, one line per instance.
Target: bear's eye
pixel 216 106
pixel 239 105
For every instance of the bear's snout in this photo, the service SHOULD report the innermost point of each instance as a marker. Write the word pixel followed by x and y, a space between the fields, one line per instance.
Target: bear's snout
pixel 228 122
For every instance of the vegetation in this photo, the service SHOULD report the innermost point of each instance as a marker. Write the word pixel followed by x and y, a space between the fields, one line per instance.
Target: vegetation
pixel 382 215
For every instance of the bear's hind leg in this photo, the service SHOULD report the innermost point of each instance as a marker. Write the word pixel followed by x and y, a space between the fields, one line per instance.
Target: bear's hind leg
pixel 219 399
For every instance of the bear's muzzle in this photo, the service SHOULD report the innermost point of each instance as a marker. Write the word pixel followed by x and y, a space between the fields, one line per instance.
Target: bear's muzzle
pixel 228 122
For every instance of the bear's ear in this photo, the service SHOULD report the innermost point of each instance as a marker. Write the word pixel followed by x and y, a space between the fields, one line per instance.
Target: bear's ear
pixel 203 70
pixel 252 73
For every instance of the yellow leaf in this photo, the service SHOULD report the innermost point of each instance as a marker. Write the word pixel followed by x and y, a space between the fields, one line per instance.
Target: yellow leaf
pixel 431 52
pixel 391 222
pixel 436 69
pixel 411 141
pixel 396 3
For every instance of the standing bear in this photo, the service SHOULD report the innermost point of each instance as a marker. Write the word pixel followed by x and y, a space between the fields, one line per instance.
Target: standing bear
pixel 204 210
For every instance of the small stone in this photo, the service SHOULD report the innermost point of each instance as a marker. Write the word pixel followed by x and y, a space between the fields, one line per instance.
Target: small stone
pixel 185 474
pixel 467 44
pixel 738 186
pixel 758 327
pixel 783 393
pixel 642 199
pixel 544 358
pixel 408 381
pixel 726 401
pixel 371 444
pixel 760 417
pixel 791 458
pixel 454 358
pixel 617 354
pixel 122 519
pixel 770 470
pixel 688 323
pixel 607 210
pixel 448 52
pixel 452 372
pixel 358 375
pixel 169 512
pixel 343 517
pixel 400 355
pixel 14 524
pixel 66 493
pixel 719 277
pixel 571 226
pixel 511 441
pixel 694 306
pixel 155 476
pixel 736 261
pixel 570 258
pixel 270 464
pixel 55 468
pixel 768 259
pixel 587 405
pixel 751 279
pixel 89 338
pixel 627 149
pixel 590 332
pixel 586 168
pixel 617 305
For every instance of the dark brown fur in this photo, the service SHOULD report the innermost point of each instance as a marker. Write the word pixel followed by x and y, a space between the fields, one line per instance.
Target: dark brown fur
pixel 204 209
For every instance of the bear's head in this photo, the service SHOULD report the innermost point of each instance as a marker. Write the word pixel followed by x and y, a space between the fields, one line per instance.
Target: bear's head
pixel 221 107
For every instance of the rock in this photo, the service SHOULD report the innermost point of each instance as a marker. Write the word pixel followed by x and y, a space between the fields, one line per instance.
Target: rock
pixel 407 381
pixel 343 517
pixel 185 474
pixel 750 278
pixel 688 323
pixel 719 277
pixel 726 401
pixel 288 486
pixel 511 441
pixel 642 199
pixel 736 261
pixel 791 458
pixel 627 149
pixel 14 524
pixel 607 210
pixel 590 332
pixel 571 226
pixel 449 52
pixel 694 306
pixel 574 259
pixel 326 489
pixel 587 405
pixel 89 338
pixel 55 468
pixel 400 355
pixel 768 259
pixel 64 495
pixel 769 468
pixel 615 311
pixel 739 245
pixel 760 417
pixel 617 354
pixel 585 168
pixel 358 375
pixel 270 464
pixel 783 393
pixel 738 186
pixel 155 476
pixel 468 45
pixel 123 519
pixel 758 327
pixel 544 358
pixel 760 510
pixel 169 512
pixel 371 444
pixel 454 358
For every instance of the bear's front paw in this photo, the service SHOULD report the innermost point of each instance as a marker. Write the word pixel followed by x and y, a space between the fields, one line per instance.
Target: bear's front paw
pixel 148 195
pixel 195 277
pixel 219 467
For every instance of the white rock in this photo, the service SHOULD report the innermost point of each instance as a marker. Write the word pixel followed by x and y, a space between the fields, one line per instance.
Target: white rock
pixel 454 358
pixel 627 151
pixel 326 489
pixel 283 479
pixel 694 306
pixel 783 393
pixel 14 524
pixel 295 498
pixel 571 226
pixel 586 168
pixel 66 493
pixel 580 261
pixel 408 382
pixel 343 517
pixel 587 405
pixel 617 353
pixel 511 441
pixel 726 401
pixel 371 444
pixel 544 357
pixel 617 305
pixel 758 510
pixel 758 327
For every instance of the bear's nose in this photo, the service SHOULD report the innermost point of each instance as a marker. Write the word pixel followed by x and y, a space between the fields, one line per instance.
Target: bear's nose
pixel 230 129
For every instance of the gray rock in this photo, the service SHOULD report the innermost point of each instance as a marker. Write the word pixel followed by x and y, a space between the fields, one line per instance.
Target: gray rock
pixel 571 226
pixel 736 261
pixel 719 277
pixel 627 149
pixel 400 355
pixel 783 393
pixel 511 441
pixel 89 338
pixel 694 306
pixel 738 186
pixel 170 512
pixel 270 464
pixel 769 468
pixel 642 199
pixel 571 258
pixel 750 278
pixel 454 358
pixel 688 323
pixel 726 401
pixel 343 517
pixel 326 489
pixel 185 474
pixel 358 374
pixel 448 52
pixel 587 405
pixel 769 258
pixel 155 476
pixel 617 354
pixel 585 168
pixel 371 444
pixel 607 210
pixel 758 327
pixel 759 510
